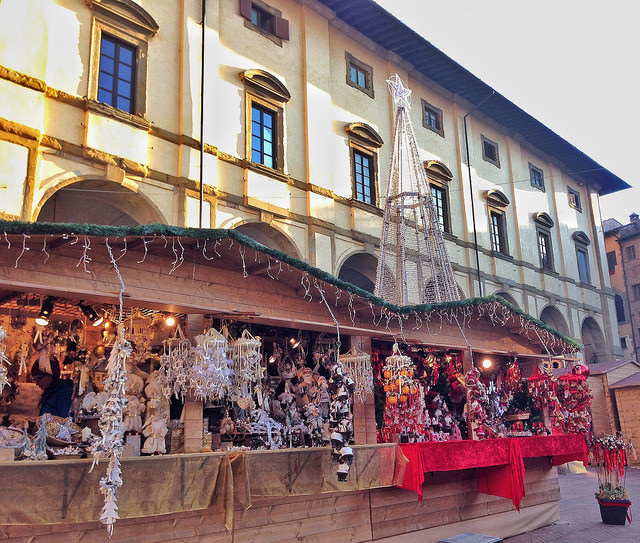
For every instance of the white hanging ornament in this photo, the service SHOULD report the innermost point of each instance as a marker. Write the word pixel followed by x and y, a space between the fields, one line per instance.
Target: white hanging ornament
pixel 357 363
pixel 211 371
pixel 175 364
pixel 246 353
pixel 4 381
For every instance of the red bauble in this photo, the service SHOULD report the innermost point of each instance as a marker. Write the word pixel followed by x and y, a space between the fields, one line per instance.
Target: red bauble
pixel 581 369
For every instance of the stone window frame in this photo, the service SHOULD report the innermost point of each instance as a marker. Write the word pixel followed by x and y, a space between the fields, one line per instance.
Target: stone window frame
pixel 582 243
pixel 487 142
pixel 437 113
pixel 268 92
pixel 129 23
pixel 544 224
pixel 359 65
pixel 364 140
pixel 574 199
pixel 280 30
pixel 497 203
pixel 533 170
pixel 438 175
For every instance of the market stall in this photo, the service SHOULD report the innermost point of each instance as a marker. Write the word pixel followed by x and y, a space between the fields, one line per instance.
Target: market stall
pixel 275 382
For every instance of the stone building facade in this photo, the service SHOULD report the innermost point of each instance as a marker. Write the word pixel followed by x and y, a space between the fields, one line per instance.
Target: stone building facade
pixel 273 117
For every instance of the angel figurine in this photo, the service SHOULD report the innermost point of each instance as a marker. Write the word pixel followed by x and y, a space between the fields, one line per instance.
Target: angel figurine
pixel 155 430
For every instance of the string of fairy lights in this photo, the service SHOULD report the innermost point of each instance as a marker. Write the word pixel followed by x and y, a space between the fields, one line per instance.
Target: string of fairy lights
pixel 431 320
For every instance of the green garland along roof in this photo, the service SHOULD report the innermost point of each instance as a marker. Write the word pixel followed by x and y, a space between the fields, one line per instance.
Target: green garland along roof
pixel 44 228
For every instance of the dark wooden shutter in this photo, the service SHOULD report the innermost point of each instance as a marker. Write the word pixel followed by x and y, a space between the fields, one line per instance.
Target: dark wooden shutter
pixel 245 9
pixel 282 28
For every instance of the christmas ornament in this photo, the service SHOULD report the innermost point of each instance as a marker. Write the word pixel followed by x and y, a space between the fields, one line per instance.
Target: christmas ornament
pixel 357 364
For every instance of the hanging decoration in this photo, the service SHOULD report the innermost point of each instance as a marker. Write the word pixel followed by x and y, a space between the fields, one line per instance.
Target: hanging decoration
pixel 246 354
pixel 111 443
pixel 209 377
pixel 175 365
pixel 357 364
pixel 404 411
pixel 414 266
pixel 574 396
pixel 477 400
pixel 4 381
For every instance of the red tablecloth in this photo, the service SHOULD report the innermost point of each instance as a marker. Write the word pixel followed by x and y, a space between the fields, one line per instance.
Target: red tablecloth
pixel 501 460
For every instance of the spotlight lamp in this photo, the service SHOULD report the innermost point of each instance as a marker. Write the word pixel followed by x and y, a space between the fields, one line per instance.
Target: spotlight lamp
pixel 295 343
pixel 170 320
pixel 45 311
pixel 90 313
pixel 487 363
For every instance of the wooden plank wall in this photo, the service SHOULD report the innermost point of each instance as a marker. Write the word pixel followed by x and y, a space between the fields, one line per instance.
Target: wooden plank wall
pixel 628 400
pixel 357 516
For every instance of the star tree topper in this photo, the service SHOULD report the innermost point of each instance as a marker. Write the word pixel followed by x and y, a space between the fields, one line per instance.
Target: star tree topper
pixel 400 92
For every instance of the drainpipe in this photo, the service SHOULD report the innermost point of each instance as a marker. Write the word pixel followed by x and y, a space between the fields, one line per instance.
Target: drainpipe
pixel 204 19
pixel 473 209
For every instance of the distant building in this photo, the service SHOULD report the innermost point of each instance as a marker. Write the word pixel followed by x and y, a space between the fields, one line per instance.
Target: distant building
pixel 106 117
pixel 622 244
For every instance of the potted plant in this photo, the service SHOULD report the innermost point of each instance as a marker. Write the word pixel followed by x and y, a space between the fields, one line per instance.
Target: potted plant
pixel 608 454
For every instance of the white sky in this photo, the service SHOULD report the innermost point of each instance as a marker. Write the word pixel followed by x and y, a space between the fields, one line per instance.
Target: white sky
pixel 571 64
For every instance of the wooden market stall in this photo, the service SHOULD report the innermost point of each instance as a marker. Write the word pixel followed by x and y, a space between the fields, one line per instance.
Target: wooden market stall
pixel 207 276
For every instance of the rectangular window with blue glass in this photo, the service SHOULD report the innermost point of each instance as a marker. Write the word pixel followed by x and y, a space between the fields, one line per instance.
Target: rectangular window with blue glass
pixel 263 136
pixel 117 74
pixel 364 177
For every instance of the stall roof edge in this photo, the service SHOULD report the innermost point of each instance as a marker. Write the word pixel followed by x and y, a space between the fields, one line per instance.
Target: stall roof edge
pixel 107 231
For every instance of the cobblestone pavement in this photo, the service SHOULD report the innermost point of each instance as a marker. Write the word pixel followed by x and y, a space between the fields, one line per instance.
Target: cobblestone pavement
pixel 580 520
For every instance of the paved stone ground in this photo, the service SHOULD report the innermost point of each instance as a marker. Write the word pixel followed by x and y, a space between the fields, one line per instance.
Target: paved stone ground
pixel 580 520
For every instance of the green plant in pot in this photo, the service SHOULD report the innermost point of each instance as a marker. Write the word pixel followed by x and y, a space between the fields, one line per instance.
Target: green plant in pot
pixel 608 454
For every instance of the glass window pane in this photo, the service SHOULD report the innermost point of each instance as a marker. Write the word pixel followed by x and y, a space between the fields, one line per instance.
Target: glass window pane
pixel 106 82
pixel 267 119
pixel 361 79
pixel 108 47
pixel 105 96
pixel 126 56
pixel 255 156
pixel 353 74
pixel 267 134
pixel 106 64
pixel 125 73
pixel 124 104
pixel 124 89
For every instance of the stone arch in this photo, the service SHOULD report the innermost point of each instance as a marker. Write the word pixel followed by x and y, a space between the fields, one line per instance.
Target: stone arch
pixel 552 316
pixel 96 201
pixel 508 298
pixel 593 340
pixel 360 269
pixel 269 236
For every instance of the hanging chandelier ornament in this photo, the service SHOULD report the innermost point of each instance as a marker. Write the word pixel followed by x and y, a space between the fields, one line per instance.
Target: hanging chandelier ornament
pixel 4 381
pixel 246 354
pixel 210 374
pixel 357 364
pixel 414 266
pixel 175 364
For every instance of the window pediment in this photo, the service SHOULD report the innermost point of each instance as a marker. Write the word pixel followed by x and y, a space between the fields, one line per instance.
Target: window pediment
pixel 266 83
pixel 581 237
pixel 438 170
pixel 127 13
pixel 497 198
pixel 364 133
pixel 543 219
